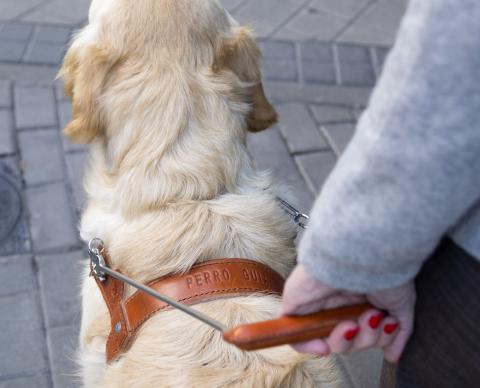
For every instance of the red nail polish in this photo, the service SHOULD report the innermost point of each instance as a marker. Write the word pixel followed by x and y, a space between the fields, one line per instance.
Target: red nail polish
pixel 351 334
pixel 390 328
pixel 375 320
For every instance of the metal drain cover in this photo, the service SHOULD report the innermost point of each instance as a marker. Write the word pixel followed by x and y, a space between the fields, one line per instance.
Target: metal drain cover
pixel 10 206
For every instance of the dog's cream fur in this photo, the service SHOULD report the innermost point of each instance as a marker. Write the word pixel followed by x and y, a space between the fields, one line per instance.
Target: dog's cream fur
pixel 164 91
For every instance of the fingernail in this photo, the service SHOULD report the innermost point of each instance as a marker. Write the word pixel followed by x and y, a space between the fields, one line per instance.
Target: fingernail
pixel 375 320
pixel 351 334
pixel 390 328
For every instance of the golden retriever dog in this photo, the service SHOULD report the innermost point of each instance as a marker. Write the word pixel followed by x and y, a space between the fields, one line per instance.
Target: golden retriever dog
pixel 164 91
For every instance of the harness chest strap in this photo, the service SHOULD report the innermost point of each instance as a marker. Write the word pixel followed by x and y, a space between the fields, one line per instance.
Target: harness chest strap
pixel 204 282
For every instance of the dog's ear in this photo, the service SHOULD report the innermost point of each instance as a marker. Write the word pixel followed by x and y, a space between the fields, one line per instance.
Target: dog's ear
pixel 85 70
pixel 241 54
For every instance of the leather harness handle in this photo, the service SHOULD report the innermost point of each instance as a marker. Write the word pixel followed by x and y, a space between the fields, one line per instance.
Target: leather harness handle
pixel 291 329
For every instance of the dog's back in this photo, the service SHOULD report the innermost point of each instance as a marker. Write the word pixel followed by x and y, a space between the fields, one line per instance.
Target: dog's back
pixel 165 91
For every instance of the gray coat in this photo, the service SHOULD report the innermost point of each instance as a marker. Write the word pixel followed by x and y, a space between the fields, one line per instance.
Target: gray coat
pixel 411 173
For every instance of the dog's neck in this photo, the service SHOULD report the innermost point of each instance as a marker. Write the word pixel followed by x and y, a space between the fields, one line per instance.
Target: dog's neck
pixel 169 148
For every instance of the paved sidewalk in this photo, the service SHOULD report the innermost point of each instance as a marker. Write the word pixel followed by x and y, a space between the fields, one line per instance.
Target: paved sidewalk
pixel 322 58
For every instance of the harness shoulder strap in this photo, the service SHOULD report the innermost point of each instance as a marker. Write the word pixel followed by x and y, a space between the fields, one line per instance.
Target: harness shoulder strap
pixel 204 282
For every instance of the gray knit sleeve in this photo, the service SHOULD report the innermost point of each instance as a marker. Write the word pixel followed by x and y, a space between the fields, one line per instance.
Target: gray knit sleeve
pixel 412 168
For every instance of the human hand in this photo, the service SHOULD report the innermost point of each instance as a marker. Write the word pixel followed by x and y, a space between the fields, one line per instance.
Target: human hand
pixel 304 294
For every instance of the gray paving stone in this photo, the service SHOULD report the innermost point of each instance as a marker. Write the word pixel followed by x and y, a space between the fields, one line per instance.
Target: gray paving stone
pixel 353 53
pixel 280 70
pixel 316 51
pixel 317 62
pixel 345 8
pixel 317 93
pixel 270 153
pixel 338 135
pixel 11 50
pixel 316 167
pixel 5 94
pixel 231 5
pixel 7 142
pixel 22 335
pixel 321 73
pixel 49 53
pixel 266 15
pixel 12 9
pixel 276 49
pixel 59 279
pixel 76 165
pixel 378 25
pixel 53 34
pixel 358 75
pixel 42 156
pixel 364 367
pixel 312 23
pixel 331 113
pixel 356 66
pixel 22 72
pixel 38 381
pixel 51 219
pixel 34 106
pixel 16 275
pixel 59 12
pixel 299 129
pixel 16 31
pixel 62 346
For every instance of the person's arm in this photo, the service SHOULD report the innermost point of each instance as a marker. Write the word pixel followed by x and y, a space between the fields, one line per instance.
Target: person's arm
pixel 409 174
pixel 412 168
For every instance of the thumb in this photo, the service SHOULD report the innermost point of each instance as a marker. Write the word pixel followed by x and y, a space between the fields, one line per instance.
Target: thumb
pixel 303 294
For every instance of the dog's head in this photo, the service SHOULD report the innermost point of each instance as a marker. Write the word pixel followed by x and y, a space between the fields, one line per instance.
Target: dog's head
pixel 124 35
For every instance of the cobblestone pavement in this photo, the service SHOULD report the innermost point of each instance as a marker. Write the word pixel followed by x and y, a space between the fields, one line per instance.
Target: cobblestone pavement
pixel 322 58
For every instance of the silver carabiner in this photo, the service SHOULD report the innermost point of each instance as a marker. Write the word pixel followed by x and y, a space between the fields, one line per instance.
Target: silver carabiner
pixel 296 215
pixel 95 251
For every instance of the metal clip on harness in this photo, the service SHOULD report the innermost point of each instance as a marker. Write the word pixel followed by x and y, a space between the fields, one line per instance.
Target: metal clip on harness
pixel 95 251
pixel 296 215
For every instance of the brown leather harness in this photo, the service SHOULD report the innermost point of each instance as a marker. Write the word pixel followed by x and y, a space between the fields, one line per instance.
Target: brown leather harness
pixel 204 282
